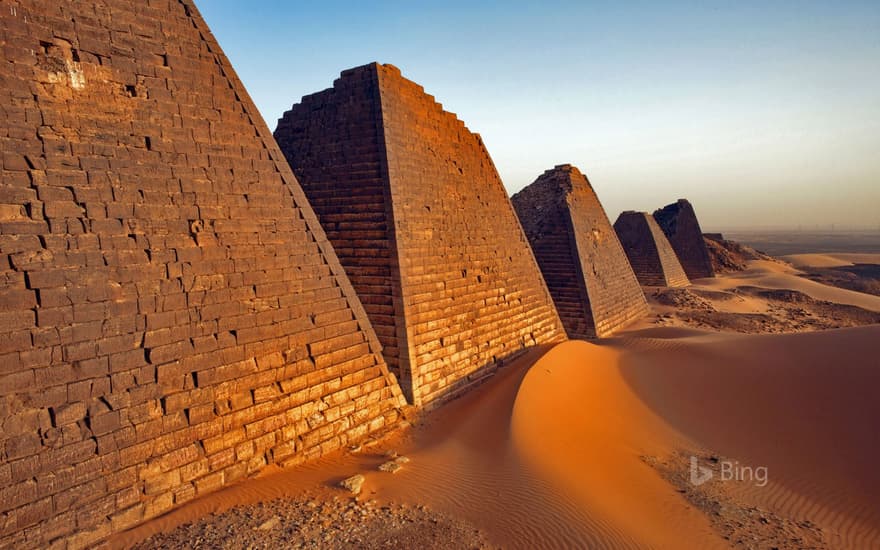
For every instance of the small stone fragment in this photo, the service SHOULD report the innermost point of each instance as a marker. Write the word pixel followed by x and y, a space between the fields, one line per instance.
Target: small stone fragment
pixel 401 459
pixel 353 484
pixel 391 466
pixel 269 524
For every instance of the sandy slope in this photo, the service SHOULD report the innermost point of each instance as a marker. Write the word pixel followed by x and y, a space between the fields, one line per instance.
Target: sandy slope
pixel 804 405
pixel 579 425
pixel 831 259
pixel 543 456
pixel 553 454
pixel 776 275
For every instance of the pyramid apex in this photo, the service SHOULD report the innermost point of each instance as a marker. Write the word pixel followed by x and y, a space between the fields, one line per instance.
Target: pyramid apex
pixel 373 66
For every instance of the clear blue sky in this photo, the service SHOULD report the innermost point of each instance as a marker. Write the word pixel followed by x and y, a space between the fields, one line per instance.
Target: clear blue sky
pixel 762 113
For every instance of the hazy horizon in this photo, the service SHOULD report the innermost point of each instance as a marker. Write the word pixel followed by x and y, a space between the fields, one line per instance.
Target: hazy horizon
pixel 761 114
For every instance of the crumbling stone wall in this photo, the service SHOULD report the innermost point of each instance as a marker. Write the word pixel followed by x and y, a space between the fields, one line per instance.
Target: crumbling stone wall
pixel 680 225
pixel 650 254
pixel 466 290
pixel 173 316
pixel 588 274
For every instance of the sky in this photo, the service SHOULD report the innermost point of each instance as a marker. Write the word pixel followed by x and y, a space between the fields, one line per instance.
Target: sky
pixel 763 114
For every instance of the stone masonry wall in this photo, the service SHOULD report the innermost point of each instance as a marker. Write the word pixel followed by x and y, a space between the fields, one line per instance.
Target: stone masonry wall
pixel 473 292
pixel 650 254
pixel 470 292
pixel 586 269
pixel 543 212
pixel 616 299
pixel 173 317
pixel 337 151
pixel 679 222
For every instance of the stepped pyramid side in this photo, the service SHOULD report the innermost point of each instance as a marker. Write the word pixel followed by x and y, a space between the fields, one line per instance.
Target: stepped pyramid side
pixel 173 316
pixel 335 145
pixel 616 298
pixel 680 225
pixel 584 265
pixel 465 289
pixel 543 212
pixel 651 256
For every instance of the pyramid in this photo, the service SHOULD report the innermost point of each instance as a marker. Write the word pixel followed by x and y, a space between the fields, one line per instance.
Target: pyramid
pixel 650 254
pixel 173 316
pixel 679 222
pixel 412 202
pixel 592 284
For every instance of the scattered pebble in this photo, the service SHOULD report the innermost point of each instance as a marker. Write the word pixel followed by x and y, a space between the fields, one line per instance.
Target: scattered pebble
pixel 322 524
pixel 270 524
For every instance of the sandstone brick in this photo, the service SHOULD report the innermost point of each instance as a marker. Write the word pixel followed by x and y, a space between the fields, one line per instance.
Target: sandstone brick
pixel 12 496
pixel 69 413
pixel 29 514
pixel 209 483
pixel 104 423
pixel 17 381
pixel 127 518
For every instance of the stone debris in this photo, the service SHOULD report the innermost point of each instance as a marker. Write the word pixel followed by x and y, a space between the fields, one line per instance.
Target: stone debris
pixel 269 524
pixel 391 466
pixel 327 525
pixel 743 525
pixel 353 484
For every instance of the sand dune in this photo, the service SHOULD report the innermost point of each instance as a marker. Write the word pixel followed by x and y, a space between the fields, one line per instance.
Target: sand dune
pixel 830 259
pixel 577 423
pixel 556 452
pixel 775 275
pixel 804 405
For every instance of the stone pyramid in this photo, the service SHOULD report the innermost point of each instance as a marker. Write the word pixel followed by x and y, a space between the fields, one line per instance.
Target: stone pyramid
pixel 173 316
pixel 412 202
pixel 650 254
pixel 679 222
pixel 588 274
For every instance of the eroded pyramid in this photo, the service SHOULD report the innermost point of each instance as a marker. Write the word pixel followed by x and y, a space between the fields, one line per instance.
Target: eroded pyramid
pixel 423 225
pixel 651 256
pixel 679 222
pixel 173 316
pixel 588 274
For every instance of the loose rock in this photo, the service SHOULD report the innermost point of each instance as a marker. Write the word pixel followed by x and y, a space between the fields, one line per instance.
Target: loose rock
pixel 270 524
pixel 353 484
pixel 391 466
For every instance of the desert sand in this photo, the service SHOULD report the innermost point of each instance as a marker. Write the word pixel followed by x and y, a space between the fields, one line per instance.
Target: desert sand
pixel 777 275
pixel 589 445
pixel 831 259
